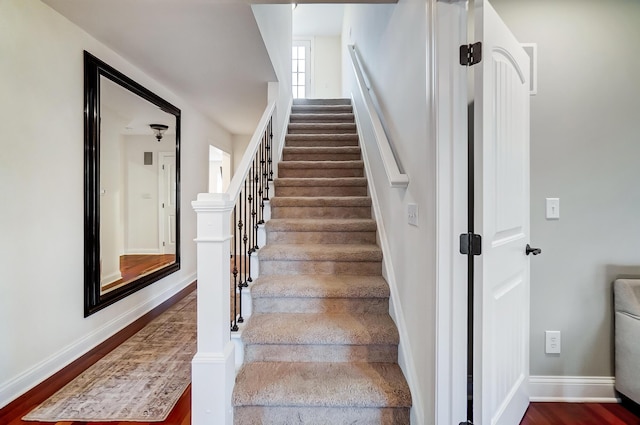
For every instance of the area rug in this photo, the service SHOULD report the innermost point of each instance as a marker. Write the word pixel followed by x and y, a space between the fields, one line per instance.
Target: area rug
pixel 140 381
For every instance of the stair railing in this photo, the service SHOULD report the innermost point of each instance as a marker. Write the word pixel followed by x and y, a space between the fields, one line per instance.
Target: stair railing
pixel 248 215
pixel 391 166
pixel 225 221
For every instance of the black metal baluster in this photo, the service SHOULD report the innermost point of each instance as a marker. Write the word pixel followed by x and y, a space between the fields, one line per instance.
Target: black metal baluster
pixel 234 324
pixel 245 239
pixel 262 174
pixel 250 226
pixel 269 146
pixel 240 319
pixel 254 211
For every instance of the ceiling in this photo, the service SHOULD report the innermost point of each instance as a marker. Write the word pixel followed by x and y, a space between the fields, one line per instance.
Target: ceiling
pixel 318 19
pixel 209 52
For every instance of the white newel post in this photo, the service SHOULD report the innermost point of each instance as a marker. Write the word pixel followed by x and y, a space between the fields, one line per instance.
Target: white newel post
pixel 213 367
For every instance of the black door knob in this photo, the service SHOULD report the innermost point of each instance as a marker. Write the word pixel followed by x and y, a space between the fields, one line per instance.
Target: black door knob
pixel 534 251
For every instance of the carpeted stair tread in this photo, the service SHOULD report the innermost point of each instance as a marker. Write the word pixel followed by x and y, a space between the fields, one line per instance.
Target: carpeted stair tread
pixel 315 286
pixel 321 384
pixel 319 181
pixel 321 109
pixel 301 101
pixel 326 117
pixel 322 128
pixel 320 329
pixel 322 150
pixel 321 164
pixel 321 201
pixel 319 137
pixel 321 225
pixel 321 252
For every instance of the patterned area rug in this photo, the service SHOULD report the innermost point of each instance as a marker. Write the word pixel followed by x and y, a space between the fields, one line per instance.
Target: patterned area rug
pixel 141 380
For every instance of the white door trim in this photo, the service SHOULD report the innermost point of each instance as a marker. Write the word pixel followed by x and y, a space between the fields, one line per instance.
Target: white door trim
pixel 449 30
pixel 162 212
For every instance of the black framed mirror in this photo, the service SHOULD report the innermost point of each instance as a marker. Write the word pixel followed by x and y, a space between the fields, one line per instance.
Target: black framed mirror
pixel 132 186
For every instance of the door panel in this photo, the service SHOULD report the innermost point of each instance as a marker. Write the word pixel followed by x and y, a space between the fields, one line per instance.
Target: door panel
pixel 501 273
pixel 168 203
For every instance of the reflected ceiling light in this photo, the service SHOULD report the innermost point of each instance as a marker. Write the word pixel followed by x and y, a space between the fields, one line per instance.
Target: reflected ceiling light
pixel 158 130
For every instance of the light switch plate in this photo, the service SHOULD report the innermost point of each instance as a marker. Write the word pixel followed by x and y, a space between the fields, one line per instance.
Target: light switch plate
pixel 553 209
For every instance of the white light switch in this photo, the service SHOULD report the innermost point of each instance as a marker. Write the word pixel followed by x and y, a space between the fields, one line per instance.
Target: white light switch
pixel 553 208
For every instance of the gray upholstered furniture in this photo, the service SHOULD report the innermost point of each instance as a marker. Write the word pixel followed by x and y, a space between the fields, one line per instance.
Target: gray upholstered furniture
pixel 626 294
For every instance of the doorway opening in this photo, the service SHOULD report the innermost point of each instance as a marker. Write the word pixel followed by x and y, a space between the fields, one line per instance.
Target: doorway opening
pixel 219 170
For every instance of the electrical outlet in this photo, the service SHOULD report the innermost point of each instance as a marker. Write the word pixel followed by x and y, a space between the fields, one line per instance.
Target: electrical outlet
pixel 552 342
pixel 412 214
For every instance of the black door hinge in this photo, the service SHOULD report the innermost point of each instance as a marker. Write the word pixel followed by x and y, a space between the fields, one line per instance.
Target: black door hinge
pixel 470 244
pixel 470 54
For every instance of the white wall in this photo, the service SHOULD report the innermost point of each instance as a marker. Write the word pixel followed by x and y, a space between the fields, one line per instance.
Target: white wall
pixel 240 143
pixel 274 22
pixel 326 53
pixel 397 66
pixel 584 150
pixel 41 182
pixel 142 183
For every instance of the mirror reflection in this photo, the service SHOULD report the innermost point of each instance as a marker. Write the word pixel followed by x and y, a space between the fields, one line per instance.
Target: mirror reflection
pixel 137 187
pixel 132 186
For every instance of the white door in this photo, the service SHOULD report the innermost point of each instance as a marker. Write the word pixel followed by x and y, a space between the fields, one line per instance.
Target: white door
pixel 168 202
pixel 501 274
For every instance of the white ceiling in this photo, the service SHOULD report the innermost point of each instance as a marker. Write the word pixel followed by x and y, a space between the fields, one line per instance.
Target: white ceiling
pixel 318 19
pixel 208 51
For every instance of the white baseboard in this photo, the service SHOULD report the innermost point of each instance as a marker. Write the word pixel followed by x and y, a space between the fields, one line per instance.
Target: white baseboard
pixel 25 381
pixel 573 389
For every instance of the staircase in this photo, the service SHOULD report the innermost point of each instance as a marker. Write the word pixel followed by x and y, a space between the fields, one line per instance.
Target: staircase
pixel 320 346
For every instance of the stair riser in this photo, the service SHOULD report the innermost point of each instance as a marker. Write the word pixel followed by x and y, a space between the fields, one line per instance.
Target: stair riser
pixel 292 237
pixel 320 172
pixel 321 118
pixel 321 353
pixel 321 191
pixel 289 156
pixel 358 268
pixel 252 415
pixel 321 305
pixel 312 143
pixel 320 212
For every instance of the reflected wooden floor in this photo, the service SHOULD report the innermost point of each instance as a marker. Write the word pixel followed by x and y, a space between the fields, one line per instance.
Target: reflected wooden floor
pixel 134 266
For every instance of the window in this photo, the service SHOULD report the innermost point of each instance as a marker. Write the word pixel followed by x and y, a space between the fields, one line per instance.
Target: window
pixel 300 76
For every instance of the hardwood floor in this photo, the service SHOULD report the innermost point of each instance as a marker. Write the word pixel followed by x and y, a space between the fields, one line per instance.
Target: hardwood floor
pixel 537 414
pixel 579 414
pixel 12 413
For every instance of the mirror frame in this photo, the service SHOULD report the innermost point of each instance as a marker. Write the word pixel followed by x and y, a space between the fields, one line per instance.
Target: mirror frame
pixel 94 301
